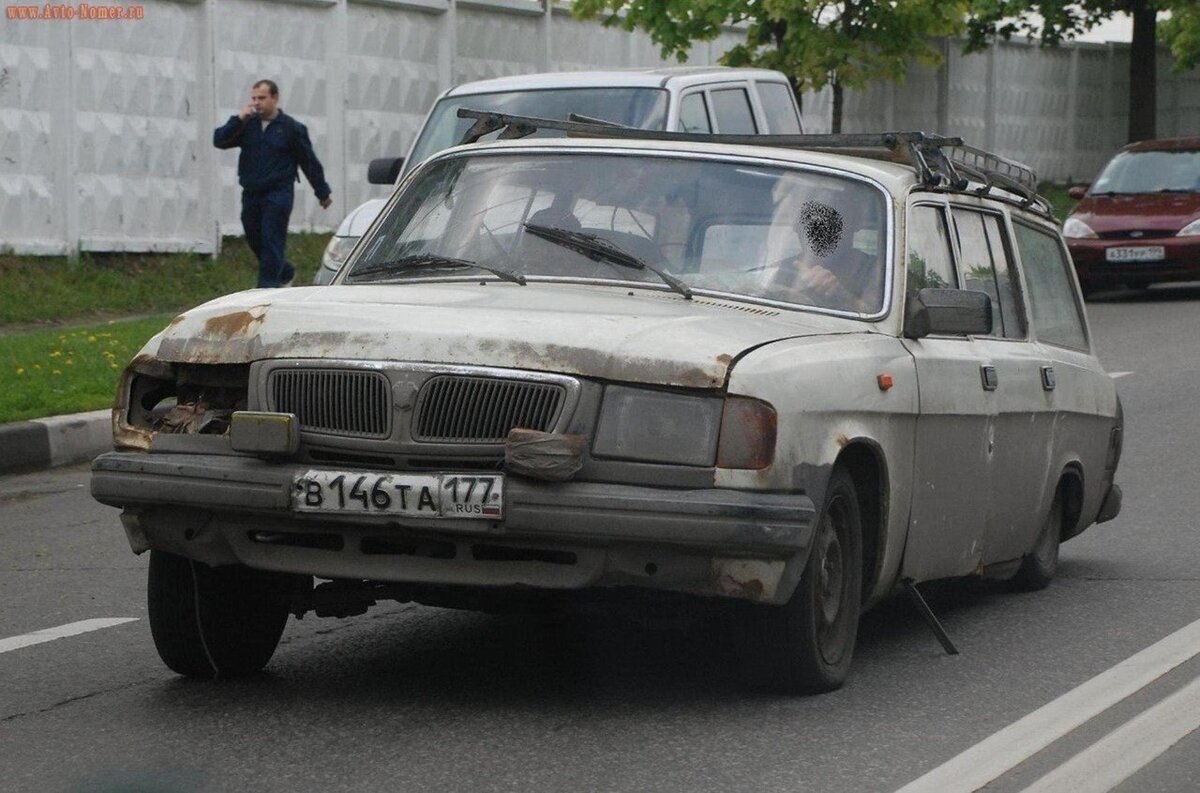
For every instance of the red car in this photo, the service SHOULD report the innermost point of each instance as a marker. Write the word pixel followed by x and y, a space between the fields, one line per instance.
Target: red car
pixel 1139 222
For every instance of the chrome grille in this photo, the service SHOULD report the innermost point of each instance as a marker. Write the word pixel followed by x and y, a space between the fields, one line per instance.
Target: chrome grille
pixel 335 401
pixel 466 409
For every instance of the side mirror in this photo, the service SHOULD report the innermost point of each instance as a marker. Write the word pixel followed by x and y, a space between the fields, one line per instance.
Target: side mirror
pixel 384 170
pixel 1078 191
pixel 948 312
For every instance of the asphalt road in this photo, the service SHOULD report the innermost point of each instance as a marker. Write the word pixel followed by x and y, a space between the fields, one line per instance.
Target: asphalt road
pixel 415 698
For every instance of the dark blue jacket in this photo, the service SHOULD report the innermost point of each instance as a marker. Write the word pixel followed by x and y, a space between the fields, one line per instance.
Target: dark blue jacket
pixel 269 157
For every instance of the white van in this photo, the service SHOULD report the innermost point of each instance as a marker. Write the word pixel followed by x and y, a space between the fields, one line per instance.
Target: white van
pixel 683 98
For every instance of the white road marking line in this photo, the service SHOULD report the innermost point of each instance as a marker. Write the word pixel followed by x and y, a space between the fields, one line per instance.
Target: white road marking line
pixel 62 631
pixel 1008 748
pixel 1132 746
pixel 1115 375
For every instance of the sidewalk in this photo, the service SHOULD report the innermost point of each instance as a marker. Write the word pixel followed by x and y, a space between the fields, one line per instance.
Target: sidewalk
pixel 58 440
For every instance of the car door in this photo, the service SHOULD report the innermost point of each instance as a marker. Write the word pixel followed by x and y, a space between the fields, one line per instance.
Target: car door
pixel 1019 440
pixel 952 462
pixel 1082 394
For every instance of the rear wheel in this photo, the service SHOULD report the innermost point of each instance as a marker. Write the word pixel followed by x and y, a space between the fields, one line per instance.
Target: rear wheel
pixel 215 622
pixel 1040 564
pixel 805 646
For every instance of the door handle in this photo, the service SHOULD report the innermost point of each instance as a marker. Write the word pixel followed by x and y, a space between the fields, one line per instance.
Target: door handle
pixel 1048 381
pixel 991 380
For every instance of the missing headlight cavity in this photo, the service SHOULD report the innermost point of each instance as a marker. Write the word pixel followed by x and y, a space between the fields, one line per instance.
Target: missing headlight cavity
pixel 194 398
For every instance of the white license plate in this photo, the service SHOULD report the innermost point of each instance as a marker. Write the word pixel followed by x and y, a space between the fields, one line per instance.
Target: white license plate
pixel 1141 253
pixel 408 495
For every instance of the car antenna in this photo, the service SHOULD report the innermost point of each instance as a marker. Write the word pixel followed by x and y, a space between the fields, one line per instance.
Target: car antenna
pixel 930 618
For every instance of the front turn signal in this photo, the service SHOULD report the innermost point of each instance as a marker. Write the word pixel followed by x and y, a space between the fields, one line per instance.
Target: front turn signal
pixel 748 430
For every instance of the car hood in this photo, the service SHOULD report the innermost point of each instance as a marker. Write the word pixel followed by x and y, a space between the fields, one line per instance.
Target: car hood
pixel 1157 212
pixel 614 333
pixel 360 218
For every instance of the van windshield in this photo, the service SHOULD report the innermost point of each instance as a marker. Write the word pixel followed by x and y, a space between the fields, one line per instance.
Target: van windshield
pixel 644 108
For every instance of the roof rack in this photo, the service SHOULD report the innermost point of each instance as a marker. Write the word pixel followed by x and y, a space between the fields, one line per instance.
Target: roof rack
pixel 941 162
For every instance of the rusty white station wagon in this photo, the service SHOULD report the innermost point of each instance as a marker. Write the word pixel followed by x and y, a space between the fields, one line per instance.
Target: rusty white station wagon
pixel 790 374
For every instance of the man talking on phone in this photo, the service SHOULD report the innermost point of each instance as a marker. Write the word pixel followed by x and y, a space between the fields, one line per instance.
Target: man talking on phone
pixel 273 146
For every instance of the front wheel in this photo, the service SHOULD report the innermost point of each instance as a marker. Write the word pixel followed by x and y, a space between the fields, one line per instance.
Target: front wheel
pixel 805 646
pixel 215 622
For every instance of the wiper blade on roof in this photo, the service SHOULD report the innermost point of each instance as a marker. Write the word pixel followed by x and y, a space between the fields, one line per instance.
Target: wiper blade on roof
pixel 596 247
pixel 432 261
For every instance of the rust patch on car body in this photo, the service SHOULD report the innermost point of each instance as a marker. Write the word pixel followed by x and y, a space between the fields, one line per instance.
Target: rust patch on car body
pixel 748 579
pixel 239 323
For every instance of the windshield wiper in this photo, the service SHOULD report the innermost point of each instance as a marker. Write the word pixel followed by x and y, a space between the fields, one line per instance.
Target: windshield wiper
pixel 433 261
pixel 596 247
pixel 1176 190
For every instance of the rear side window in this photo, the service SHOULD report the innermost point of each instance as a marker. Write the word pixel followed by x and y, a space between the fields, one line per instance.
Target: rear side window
pixel 985 268
pixel 1056 313
pixel 930 262
pixel 779 108
pixel 731 106
pixel 693 114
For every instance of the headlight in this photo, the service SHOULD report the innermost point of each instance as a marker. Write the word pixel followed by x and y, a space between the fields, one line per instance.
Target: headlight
pixel 662 427
pixel 1190 230
pixel 658 427
pixel 337 250
pixel 1075 228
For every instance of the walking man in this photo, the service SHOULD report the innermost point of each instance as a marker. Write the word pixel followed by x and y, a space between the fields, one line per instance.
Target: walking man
pixel 273 145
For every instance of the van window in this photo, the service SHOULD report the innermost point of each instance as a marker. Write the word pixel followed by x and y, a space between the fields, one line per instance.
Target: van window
pixel 780 108
pixel 1055 312
pixel 693 114
pixel 731 106
pixel 985 269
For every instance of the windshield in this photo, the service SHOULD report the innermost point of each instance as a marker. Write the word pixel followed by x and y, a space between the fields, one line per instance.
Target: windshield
pixel 727 227
pixel 645 108
pixel 1150 172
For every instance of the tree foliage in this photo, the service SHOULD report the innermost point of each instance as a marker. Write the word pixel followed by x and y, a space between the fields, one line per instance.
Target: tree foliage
pixel 815 43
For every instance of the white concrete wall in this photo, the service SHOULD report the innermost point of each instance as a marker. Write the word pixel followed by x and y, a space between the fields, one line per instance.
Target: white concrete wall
pixel 106 126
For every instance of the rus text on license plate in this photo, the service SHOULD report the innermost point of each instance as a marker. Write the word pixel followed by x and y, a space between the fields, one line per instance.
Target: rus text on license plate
pixel 1136 253
pixel 409 495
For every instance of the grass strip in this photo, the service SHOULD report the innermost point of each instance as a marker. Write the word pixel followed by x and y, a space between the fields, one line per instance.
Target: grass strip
pixel 52 372
pixel 49 290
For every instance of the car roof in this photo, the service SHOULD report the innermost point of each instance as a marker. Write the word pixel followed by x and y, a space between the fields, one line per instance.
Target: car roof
pixel 657 77
pixel 897 178
pixel 1165 144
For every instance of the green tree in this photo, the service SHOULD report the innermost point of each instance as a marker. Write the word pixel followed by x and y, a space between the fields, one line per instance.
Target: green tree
pixel 1052 21
pixel 815 43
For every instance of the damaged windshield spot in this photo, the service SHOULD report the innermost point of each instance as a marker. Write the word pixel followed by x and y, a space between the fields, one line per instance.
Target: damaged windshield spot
pixel 779 234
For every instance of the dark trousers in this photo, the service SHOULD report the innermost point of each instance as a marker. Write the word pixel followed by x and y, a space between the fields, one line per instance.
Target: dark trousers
pixel 265 219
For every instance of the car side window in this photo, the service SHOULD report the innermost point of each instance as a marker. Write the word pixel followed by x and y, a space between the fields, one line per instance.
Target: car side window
pixel 779 108
pixel 985 268
pixel 930 261
pixel 1055 312
pixel 693 114
pixel 731 106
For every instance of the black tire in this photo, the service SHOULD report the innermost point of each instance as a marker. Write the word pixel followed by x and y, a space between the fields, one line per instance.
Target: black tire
pixel 1041 563
pixel 215 622
pixel 805 646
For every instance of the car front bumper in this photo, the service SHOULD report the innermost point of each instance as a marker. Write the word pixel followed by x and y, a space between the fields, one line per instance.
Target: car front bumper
pixel 1181 260
pixel 222 509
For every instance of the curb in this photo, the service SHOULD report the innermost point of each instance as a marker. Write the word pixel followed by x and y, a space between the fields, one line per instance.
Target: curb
pixel 50 442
